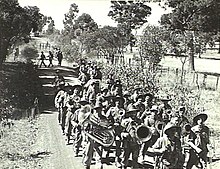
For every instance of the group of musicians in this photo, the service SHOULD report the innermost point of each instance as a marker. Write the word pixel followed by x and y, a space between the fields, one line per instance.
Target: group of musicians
pixel 100 117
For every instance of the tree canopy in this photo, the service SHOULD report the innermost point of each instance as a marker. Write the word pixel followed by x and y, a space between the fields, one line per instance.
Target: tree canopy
pixel 191 17
pixel 16 23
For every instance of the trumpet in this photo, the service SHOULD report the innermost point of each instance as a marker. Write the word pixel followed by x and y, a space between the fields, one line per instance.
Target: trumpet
pixel 121 112
pixel 76 99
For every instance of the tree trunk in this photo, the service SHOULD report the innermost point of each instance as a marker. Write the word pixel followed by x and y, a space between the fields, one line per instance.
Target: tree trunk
pixel 219 46
pixel 3 51
pixel 191 62
pixel 191 55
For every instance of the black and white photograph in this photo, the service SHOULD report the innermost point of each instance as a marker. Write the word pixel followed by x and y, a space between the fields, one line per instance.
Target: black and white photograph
pixel 109 84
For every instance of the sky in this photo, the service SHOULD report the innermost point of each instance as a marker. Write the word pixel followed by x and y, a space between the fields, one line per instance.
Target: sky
pixel 97 9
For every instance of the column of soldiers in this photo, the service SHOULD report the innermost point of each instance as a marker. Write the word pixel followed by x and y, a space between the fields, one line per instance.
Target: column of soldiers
pixel 100 117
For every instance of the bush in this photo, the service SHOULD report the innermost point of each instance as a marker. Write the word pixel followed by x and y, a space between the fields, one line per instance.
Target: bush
pixel 29 52
pixel 19 86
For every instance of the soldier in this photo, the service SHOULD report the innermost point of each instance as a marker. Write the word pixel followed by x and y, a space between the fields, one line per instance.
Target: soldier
pixel 127 99
pixel 151 121
pixel 148 98
pixel 182 118
pixel 92 144
pixel 131 144
pixel 59 103
pixel 59 57
pixel 139 105
pixel 50 59
pixel 77 127
pixel 165 107
pixel 42 58
pixel 202 137
pixel 168 149
pixel 116 114
pixel 58 81
pixel 71 102
pixel 136 93
pixel 190 150
pixel 117 88
pixel 174 121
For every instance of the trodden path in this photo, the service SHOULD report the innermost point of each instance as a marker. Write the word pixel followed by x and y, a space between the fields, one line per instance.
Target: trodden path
pixel 51 141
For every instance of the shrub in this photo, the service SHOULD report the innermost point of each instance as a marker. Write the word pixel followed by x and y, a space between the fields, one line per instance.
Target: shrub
pixel 29 52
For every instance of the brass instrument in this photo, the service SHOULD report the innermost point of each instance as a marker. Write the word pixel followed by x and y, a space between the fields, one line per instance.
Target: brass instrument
pixel 100 132
pixel 76 99
pixel 121 112
pixel 159 127
pixel 143 133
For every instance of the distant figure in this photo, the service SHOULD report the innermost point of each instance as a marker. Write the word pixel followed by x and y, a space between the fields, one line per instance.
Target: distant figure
pixel 50 59
pixel 59 81
pixel 42 58
pixel 59 57
pixel 16 53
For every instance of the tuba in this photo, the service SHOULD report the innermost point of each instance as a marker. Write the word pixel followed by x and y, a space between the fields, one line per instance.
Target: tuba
pixel 143 133
pixel 101 132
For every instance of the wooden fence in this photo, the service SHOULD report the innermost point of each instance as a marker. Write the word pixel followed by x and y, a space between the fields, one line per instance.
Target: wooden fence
pixel 207 80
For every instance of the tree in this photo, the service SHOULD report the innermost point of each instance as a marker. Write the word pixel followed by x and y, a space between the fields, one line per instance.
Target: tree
pixel 16 23
pixel 51 26
pixel 85 27
pixel 38 20
pixel 69 21
pixel 151 49
pixel 110 40
pixel 129 15
pixel 191 17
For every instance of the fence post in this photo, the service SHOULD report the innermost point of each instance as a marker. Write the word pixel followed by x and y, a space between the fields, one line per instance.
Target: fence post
pixel 204 80
pixel 197 80
pixel 216 86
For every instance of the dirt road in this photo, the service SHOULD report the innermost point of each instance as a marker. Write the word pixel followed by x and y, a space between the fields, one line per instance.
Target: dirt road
pixel 51 144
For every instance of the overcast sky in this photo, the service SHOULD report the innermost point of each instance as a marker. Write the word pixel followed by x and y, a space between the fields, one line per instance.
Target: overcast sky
pixel 98 9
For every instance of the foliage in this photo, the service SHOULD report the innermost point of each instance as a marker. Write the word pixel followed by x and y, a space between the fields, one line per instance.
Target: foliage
pixel 110 40
pixel 152 48
pixel 129 15
pixel 19 87
pixel 192 17
pixel 16 23
pixel 51 26
pixel 38 21
pixel 29 52
pixel 70 20
pixel 71 52
pixel 85 28
pixel 16 146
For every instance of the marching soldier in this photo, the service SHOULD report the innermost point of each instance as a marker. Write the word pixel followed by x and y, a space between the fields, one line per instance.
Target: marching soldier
pixel 58 81
pixel 182 118
pixel 131 144
pixel 165 108
pixel 116 114
pixel 95 122
pixel 71 104
pixel 190 150
pixel 151 121
pixel 148 98
pixel 60 105
pixel 168 150
pixel 202 138
pixel 127 99
pixel 136 93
